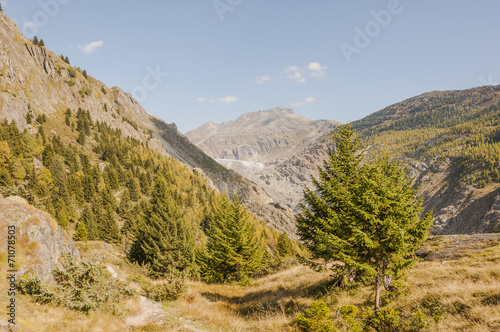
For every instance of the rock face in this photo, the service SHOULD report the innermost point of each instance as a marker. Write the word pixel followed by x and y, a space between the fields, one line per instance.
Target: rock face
pixel 39 240
pixel 261 136
pixel 35 81
pixel 277 149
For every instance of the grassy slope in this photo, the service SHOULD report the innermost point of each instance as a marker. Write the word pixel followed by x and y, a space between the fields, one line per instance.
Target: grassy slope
pixel 271 303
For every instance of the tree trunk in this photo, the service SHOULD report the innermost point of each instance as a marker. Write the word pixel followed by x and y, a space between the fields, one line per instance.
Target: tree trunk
pixel 377 292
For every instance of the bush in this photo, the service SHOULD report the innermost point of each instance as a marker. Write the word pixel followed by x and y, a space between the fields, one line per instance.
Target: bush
pixel 169 289
pixel 82 287
pixel 316 318
pixel 33 286
pixel 383 320
pixel 72 72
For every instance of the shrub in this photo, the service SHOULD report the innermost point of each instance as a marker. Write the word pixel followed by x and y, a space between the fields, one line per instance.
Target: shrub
pixel 33 286
pixel 71 82
pixel 82 287
pixel 386 319
pixel 169 289
pixel 316 318
pixel 72 72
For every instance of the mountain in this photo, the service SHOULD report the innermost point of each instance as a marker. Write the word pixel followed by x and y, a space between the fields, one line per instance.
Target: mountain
pixel 449 139
pixel 36 82
pixel 451 142
pixel 273 148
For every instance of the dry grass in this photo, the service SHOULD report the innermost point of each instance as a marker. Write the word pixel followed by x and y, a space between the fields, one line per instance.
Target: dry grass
pixel 468 290
pixel 269 304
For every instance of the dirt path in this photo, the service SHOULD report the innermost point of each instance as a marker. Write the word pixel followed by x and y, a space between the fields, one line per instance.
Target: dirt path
pixel 151 311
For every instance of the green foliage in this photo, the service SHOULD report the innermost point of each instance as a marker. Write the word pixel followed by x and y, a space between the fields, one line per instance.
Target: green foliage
pixel 85 91
pixel 82 287
pixel 86 286
pixel 285 246
pixel 81 233
pixel 168 289
pixel 62 215
pixel 364 216
pixel 71 72
pixel 33 286
pixel 384 320
pixel 233 252
pixel 316 318
pixel 164 240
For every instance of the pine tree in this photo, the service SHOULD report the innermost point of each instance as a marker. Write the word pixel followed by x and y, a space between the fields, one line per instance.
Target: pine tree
pixel 41 43
pixel 35 40
pixel 164 239
pixel 364 216
pixel 233 252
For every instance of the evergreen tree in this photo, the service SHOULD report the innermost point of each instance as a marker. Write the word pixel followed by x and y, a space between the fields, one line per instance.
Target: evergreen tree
pixel 285 246
pixel 233 253
pixel 108 229
pixel 41 43
pixel 124 207
pixel 35 40
pixel 62 214
pixel 164 239
pixel 364 216
pixel 81 233
pixel 88 219
pixel 135 189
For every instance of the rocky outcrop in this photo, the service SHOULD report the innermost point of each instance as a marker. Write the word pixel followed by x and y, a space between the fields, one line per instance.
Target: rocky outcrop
pixel 39 240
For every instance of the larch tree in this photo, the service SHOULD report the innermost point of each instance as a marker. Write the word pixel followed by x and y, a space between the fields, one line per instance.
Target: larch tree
pixel 365 217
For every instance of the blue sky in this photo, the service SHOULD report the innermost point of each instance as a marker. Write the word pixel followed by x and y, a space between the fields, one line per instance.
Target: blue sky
pixel 215 60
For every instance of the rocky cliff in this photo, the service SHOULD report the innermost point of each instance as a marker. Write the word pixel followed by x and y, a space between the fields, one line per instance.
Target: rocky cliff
pixel 34 81
pixel 39 240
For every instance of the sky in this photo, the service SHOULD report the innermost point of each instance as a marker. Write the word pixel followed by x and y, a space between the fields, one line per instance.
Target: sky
pixel 195 61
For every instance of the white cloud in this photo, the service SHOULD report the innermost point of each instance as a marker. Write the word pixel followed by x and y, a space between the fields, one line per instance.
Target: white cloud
pixel 293 73
pixel 297 103
pixel 91 47
pixel 262 79
pixel 30 25
pixel 317 70
pixel 201 99
pixel 305 101
pixel 228 99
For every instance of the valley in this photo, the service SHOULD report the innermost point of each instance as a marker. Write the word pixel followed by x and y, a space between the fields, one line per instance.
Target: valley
pixel 123 223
